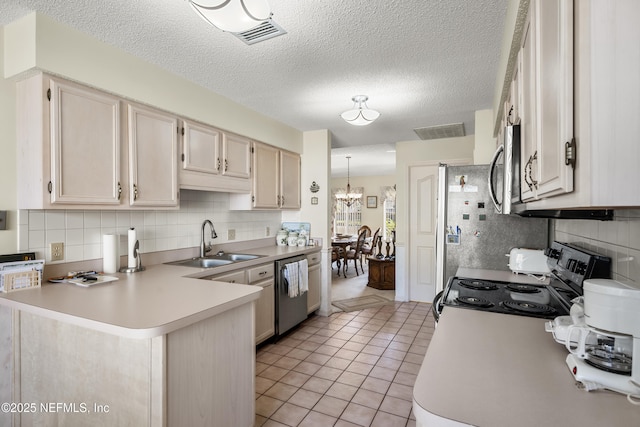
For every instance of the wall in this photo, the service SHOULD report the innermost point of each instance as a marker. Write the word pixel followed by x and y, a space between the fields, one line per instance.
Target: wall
pixel 485 143
pixel 618 239
pixel 374 218
pixel 81 231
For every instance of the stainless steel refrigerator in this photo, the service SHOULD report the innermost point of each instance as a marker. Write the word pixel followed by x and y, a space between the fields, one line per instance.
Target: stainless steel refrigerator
pixel 471 233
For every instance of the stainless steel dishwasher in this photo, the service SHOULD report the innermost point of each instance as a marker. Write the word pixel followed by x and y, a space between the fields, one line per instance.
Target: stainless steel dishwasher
pixel 289 311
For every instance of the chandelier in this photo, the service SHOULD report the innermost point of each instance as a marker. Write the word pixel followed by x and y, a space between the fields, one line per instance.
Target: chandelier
pixel 234 16
pixel 360 116
pixel 349 198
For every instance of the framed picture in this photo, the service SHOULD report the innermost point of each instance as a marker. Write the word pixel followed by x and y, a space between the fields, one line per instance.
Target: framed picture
pixel 372 201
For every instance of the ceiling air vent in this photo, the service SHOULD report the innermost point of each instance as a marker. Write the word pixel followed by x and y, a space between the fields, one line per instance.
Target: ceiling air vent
pixel 265 31
pixel 441 131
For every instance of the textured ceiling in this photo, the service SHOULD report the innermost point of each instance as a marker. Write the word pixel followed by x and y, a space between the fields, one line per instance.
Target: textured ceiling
pixel 421 62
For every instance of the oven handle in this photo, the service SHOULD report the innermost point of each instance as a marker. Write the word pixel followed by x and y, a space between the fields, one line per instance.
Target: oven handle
pixel 436 307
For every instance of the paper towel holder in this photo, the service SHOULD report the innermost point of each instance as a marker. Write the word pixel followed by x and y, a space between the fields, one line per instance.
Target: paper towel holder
pixel 136 255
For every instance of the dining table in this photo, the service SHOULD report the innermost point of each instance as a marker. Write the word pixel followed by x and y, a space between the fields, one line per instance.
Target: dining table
pixel 343 242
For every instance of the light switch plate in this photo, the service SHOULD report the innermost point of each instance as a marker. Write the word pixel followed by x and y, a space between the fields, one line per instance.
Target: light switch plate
pixel 231 234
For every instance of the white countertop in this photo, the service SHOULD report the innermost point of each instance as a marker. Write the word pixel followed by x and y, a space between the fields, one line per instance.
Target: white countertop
pixel 490 369
pixel 159 300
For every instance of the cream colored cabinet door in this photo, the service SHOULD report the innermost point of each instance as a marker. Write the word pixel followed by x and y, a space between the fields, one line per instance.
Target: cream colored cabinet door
pixel 201 148
pixel 85 146
pixel 554 95
pixel 289 180
pixel 236 154
pixel 153 162
pixel 265 311
pixel 266 190
pixel 313 295
pixel 527 111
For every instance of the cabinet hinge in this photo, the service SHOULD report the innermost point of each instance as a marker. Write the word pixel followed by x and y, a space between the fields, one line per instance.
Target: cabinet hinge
pixel 181 131
pixel 570 153
pixel 253 199
pixel 50 187
pixel 183 157
pixel 251 150
pixel 49 94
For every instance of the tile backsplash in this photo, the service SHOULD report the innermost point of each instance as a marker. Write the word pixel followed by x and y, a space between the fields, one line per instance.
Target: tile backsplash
pixel 618 239
pixel 81 230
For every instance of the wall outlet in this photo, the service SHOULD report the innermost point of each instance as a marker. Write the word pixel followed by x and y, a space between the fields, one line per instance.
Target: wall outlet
pixel 57 251
pixel 231 234
pixel 267 232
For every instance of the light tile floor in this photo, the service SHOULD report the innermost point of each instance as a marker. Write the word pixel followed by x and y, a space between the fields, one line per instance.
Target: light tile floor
pixel 349 369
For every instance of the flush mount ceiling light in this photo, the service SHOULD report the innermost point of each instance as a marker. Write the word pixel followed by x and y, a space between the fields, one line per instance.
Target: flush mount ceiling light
pixel 360 116
pixel 233 16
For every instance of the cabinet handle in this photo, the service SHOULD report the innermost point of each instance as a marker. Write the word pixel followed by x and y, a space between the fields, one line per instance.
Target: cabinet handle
pixel 528 175
pixel 218 167
pixel 262 273
pixel 226 165
pixel 135 192
pixel 232 281
pixel 119 191
pixel 282 200
pixel 278 200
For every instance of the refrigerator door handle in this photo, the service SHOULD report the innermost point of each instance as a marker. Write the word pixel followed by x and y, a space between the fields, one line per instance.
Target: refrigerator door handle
pixel 492 168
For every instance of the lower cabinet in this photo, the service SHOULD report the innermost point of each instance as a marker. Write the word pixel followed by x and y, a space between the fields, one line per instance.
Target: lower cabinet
pixel 263 276
pixel 265 311
pixel 313 296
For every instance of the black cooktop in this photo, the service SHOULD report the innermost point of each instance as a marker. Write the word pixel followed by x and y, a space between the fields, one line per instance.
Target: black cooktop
pixel 570 266
pixel 542 301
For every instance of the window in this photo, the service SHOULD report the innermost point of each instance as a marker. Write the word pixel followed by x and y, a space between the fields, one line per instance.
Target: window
pixel 348 219
pixel 389 218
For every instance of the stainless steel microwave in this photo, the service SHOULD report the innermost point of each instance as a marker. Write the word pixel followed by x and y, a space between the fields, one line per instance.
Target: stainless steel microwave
pixel 505 184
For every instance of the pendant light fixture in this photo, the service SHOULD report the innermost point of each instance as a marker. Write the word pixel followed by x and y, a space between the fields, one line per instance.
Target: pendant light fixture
pixel 358 115
pixel 234 16
pixel 349 198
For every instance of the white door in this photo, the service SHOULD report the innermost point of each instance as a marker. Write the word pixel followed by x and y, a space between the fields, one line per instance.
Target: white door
pixel 423 189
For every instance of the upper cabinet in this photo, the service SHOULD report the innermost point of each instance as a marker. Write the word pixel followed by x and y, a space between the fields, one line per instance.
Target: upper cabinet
pixel 69 146
pixel 152 138
pixel 545 99
pixel 74 152
pixel 276 180
pixel 578 102
pixel 214 160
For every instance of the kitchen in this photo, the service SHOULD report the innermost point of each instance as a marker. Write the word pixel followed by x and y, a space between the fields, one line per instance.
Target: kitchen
pixel 618 237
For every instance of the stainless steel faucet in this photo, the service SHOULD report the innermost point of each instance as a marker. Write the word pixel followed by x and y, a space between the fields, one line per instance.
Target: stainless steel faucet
pixel 206 248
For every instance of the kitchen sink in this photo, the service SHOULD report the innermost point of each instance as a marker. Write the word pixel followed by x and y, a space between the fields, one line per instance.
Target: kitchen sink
pixel 201 262
pixel 221 258
pixel 233 257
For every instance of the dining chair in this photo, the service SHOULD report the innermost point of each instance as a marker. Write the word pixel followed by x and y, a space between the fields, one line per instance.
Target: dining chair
pixel 369 247
pixel 355 254
pixel 337 256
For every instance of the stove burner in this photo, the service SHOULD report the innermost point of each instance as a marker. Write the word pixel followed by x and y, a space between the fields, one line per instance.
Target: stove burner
pixel 474 301
pixel 478 285
pixel 523 289
pixel 528 307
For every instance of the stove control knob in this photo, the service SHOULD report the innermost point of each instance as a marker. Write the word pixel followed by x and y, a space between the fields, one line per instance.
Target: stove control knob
pixel 581 267
pixel 552 253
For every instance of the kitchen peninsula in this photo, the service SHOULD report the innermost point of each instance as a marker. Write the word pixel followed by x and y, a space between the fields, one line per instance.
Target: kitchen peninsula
pixel 155 348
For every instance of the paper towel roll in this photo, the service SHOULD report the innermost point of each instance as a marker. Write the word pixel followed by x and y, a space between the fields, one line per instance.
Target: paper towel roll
pixel 110 256
pixel 131 259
